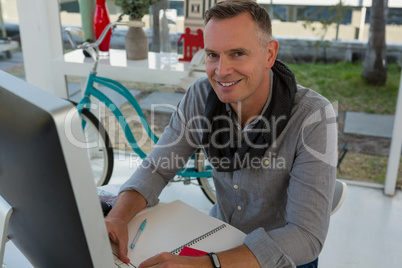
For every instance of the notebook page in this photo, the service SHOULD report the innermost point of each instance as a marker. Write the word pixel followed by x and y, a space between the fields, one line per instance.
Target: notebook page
pixel 172 225
pixel 226 238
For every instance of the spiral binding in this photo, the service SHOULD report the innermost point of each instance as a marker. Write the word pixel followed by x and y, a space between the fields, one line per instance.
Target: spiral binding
pixel 196 240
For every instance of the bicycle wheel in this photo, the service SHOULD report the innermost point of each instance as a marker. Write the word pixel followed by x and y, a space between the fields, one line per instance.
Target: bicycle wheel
pixel 100 151
pixel 207 184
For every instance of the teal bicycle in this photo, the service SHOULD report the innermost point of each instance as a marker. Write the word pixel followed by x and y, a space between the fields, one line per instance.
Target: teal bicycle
pixel 197 171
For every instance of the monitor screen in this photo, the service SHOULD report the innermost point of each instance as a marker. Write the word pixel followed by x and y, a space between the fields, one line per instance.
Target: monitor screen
pixel 46 179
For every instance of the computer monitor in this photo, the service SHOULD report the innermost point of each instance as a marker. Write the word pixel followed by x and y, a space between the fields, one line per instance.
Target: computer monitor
pixel 46 178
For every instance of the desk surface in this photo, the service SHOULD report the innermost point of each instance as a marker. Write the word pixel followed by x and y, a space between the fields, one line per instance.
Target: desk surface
pixel 116 66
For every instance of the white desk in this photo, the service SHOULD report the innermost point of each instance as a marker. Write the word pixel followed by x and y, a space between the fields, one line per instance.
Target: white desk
pixel 116 66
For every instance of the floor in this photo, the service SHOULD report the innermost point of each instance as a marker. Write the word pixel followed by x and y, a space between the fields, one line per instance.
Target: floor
pixel 364 232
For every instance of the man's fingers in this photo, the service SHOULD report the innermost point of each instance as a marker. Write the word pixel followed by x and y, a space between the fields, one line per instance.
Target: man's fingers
pixel 122 245
pixel 153 261
pixel 123 249
pixel 158 259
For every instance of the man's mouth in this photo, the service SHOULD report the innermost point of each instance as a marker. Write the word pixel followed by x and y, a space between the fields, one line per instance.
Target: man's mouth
pixel 228 84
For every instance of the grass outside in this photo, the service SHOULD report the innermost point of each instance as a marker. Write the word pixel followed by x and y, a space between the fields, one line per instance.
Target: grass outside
pixel 342 82
pixel 368 168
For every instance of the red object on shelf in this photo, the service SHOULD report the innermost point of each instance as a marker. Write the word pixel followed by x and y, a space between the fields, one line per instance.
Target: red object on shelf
pixel 101 20
pixel 192 43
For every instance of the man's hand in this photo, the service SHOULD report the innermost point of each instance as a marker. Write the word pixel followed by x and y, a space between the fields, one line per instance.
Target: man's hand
pixel 166 259
pixel 238 257
pixel 118 233
pixel 127 205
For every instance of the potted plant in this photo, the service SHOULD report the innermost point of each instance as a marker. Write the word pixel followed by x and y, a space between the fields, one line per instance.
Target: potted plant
pixel 136 40
pixel 135 9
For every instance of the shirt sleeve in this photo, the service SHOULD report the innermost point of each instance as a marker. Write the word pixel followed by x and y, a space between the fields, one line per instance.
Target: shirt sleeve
pixel 169 155
pixel 309 201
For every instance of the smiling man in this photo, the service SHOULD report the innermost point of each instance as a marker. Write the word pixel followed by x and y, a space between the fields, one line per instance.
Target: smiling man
pixel 239 68
pixel 272 144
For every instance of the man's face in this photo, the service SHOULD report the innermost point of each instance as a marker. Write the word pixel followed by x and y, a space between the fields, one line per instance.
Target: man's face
pixel 237 63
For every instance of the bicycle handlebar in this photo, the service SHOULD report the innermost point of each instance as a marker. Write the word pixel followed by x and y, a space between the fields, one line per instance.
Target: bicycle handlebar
pixel 91 47
pixel 79 33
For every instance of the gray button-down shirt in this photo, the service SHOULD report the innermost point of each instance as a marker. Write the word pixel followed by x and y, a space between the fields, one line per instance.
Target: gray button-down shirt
pixel 283 201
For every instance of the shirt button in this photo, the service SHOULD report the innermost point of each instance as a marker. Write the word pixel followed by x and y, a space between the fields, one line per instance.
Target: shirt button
pixel 266 162
pixel 238 207
pixel 236 186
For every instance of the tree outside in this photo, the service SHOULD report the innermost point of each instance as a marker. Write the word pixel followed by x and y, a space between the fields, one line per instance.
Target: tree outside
pixel 375 64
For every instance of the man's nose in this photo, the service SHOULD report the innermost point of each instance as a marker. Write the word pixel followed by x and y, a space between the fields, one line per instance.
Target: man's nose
pixel 224 67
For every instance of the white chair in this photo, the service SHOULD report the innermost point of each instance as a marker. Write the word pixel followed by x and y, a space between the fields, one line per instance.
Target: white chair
pixel 196 70
pixel 340 192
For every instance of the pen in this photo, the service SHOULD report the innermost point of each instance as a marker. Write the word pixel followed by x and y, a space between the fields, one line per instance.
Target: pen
pixel 138 233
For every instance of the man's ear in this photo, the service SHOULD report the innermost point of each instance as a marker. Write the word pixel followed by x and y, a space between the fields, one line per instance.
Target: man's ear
pixel 272 51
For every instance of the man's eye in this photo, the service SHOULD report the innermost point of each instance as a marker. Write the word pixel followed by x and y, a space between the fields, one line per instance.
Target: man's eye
pixel 239 54
pixel 211 55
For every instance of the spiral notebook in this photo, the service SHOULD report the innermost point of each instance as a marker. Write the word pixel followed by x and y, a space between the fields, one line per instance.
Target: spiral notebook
pixel 172 226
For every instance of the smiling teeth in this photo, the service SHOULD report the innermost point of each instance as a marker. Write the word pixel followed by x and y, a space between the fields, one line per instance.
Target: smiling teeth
pixel 228 84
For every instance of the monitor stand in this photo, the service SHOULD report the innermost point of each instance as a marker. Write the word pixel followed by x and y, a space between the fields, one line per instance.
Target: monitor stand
pixel 5 213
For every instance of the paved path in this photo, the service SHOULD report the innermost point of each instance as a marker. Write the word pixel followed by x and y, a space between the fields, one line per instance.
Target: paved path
pixel 377 125
pixel 16 59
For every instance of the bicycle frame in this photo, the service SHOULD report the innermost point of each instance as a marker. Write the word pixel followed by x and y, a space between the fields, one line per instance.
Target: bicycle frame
pixel 85 103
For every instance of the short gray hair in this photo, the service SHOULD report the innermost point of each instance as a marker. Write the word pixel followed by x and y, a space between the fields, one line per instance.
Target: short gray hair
pixel 231 8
